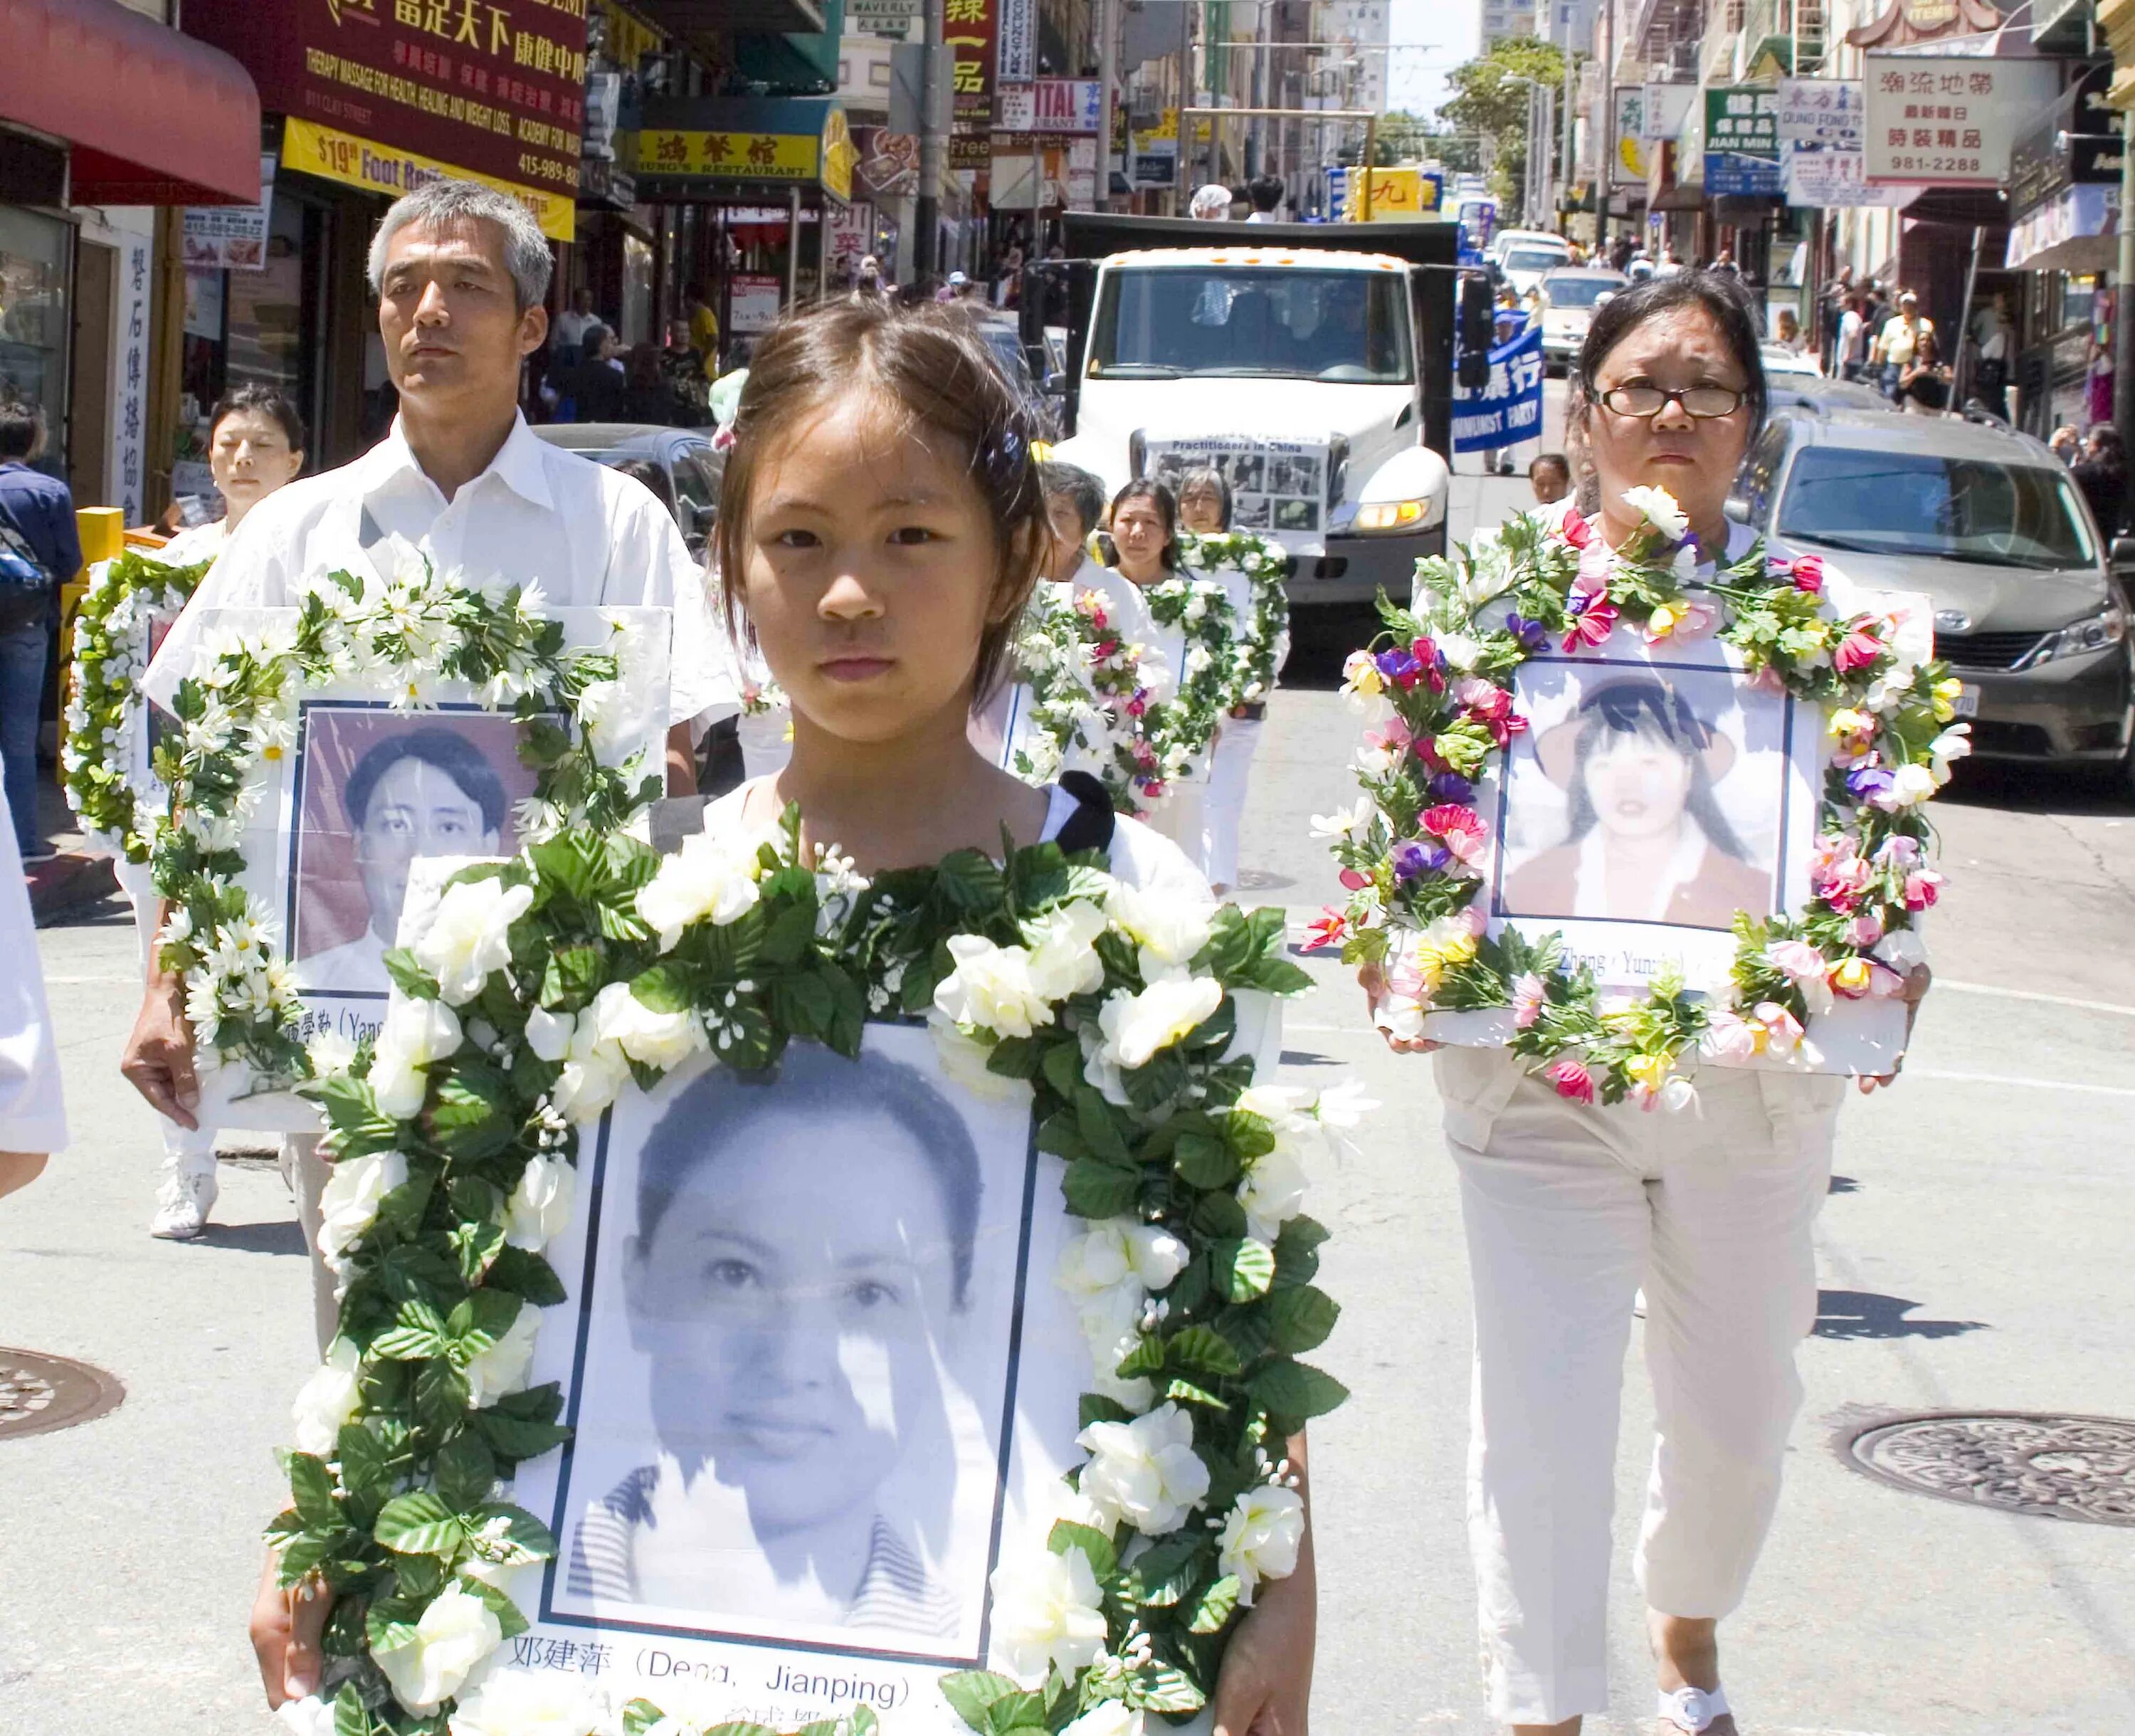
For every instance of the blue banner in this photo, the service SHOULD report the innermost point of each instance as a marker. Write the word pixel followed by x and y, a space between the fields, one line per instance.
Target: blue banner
pixel 1510 408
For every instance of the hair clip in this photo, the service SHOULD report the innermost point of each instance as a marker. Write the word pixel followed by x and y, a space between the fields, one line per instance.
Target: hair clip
pixel 1002 457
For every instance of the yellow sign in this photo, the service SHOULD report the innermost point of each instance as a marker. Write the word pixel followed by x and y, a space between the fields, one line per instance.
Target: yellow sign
pixel 827 158
pixel 838 156
pixel 1396 194
pixel 1205 128
pixel 315 150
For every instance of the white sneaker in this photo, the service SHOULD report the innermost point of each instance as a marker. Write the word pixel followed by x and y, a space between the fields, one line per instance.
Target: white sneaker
pixel 183 1202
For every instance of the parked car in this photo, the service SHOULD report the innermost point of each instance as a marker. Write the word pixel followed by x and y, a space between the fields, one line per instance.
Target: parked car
pixel 1989 524
pixel 1820 393
pixel 1569 298
pixel 679 465
pixel 1779 359
pixel 1525 260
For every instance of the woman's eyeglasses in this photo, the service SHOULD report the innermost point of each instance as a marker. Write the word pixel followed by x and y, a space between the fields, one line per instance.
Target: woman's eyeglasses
pixel 1705 402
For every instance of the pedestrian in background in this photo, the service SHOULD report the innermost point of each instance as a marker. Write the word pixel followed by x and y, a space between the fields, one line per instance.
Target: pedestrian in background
pixel 571 327
pixel 1549 474
pixel 1850 347
pixel 2102 474
pixel 1991 331
pixel 703 328
pixel 1899 345
pixel 1265 195
pixel 2065 444
pixel 1568 1207
pixel 255 446
pixel 40 551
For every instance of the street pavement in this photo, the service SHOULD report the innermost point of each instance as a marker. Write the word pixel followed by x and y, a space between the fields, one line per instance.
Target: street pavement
pixel 1973 1256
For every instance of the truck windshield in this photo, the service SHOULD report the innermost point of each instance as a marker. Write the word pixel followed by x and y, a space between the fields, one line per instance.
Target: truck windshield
pixel 1294 324
pixel 1968 510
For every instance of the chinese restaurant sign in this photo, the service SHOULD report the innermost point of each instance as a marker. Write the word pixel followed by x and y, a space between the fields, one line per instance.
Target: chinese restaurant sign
pixel 826 157
pixel 357 163
pixel 1741 140
pixel 1949 121
pixel 971 29
pixel 494 89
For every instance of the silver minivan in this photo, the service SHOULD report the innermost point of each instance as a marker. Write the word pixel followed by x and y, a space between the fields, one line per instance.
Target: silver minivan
pixel 1991 525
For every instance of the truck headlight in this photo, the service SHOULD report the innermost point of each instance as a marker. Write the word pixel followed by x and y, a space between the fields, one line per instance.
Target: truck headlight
pixel 2108 627
pixel 1398 515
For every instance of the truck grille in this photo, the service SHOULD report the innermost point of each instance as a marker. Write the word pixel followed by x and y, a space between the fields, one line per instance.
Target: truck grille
pixel 1986 650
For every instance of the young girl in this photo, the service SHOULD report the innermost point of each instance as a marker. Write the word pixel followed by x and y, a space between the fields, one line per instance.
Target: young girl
pixel 881 523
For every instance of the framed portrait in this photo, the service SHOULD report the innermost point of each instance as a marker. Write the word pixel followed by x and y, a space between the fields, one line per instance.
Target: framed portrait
pixel 1655 792
pixel 369 783
pixel 820 1382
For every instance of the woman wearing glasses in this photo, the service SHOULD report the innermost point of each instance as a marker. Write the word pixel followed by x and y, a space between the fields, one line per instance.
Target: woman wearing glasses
pixel 1569 1210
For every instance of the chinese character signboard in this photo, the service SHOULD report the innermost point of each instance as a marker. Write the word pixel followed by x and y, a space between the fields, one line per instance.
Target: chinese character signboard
pixel 492 88
pixel 1741 140
pixel 969 28
pixel 336 156
pixel 771 152
pixel 1628 161
pixel 881 17
pixel 132 371
pixel 1949 121
pixel 1823 112
pixel 1508 408
pixel 1832 179
pixel 1051 105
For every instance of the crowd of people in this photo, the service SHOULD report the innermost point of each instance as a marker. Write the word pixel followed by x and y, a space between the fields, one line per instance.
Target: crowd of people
pixel 884 522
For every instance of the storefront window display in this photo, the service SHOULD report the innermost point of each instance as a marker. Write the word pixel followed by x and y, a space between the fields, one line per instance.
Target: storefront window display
pixel 33 252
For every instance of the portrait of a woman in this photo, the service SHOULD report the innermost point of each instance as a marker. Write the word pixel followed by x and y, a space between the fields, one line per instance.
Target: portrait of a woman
pixel 1645 840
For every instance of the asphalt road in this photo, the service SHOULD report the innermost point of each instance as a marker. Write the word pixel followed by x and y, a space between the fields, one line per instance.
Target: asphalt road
pixel 1973 1256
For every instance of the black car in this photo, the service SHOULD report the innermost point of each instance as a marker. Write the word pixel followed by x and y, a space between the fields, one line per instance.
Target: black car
pixel 679 465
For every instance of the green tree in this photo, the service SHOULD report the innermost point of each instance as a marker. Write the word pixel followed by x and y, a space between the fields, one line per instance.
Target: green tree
pixel 1487 99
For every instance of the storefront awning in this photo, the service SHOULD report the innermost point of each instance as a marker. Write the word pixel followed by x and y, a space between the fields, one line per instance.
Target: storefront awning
pixel 154 117
pixel 2075 231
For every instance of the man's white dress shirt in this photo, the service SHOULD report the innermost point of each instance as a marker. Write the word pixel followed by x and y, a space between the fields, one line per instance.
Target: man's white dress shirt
pixel 587 534
pixel 32 1119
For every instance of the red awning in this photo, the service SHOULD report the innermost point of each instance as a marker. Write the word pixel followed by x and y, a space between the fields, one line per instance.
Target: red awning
pixel 154 117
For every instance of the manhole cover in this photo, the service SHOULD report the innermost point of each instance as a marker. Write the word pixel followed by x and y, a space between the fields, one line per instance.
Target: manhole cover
pixel 2062 1467
pixel 41 1394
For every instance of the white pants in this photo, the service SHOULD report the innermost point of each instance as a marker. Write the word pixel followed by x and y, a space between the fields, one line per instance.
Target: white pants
pixel 1182 817
pixel 1229 773
pixel 1568 1210
pixel 188 1149
pixel 312 1171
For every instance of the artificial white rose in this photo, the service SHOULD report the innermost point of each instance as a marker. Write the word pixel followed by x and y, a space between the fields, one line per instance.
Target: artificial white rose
pixel 1911 784
pixel 1343 1105
pixel 1260 1536
pixel 991 988
pixel 1903 949
pixel 1100 1072
pixel 660 1039
pixel 348 1204
pixel 454 1635
pixel 501 1369
pixel 415 1034
pixel 1273 1192
pixel 1353 823
pixel 1063 950
pixel 1658 508
pixel 310 1716
pixel 712 875
pixel 327 1401
pixel 1135 1026
pixel 330 1053
pixel 1113 1250
pixel 539 1208
pixel 1107 1718
pixel 1047 1614
pixel 549 1034
pixel 1144 1472
pixel 1169 930
pixel 530 1703
pixel 594 1074
pixel 470 936
pixel 1459 650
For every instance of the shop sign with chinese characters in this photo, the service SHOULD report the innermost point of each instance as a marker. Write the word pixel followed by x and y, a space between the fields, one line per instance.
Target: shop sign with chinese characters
pixel 1950 120
pixel 970 28
pixel 495 88
pixel 1741 140
pixel 1823 113
pixel 1052 105
pixel 343 156
pixel 661 154
pixel 1018 59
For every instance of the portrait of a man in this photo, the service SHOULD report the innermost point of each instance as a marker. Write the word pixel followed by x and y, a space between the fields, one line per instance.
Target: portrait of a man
pixel 415 787
pixel 811 1267
pixel 1644 837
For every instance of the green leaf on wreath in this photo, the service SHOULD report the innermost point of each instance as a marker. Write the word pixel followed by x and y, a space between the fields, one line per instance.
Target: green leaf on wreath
pixel 1019 1711
pixel 1297 1250
pixel 418 1523
pixel 1249 1136
pixel 1219 1216
pixel 1100 1132
pixel 526 1275
pixel 366 1466
pixel 639 1716
pixel 1015 1058
pixel 1166 1687
pixel 441 1394
pixel 1096 1408
pixel 311 1491
pixel 483 1318
pixel 474 1117
pixel 409 977
pixel 1214 1607
pixel 350 1717
pixel 1296 1391
pixel 1302 1317
pixel 1096 1189
pixel 1185 1392
pixel 973 1692
pixel 1203 1160
pixel 1066 1535
pixel 417 1578
pixel 1063 1066
pixel 1244 1267
pixel 511 1534
pixel 1199 1349
pixel 1163 1574
pixel 790 933
pixel 663 989
pixel 509 1617
pixel 466 1471
pixel 419 1331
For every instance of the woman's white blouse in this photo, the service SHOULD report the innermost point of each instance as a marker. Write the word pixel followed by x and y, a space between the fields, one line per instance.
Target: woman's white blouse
pixel 32 1116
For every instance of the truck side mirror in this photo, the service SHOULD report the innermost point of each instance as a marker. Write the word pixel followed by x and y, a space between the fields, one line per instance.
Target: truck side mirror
pixel 1476 328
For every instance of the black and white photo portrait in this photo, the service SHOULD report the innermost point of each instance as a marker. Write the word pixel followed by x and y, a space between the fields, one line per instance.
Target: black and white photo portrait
pixel 799 1354
pixel 378 791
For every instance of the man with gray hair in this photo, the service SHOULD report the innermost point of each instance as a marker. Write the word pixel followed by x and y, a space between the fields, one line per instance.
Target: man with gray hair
pixel 461 272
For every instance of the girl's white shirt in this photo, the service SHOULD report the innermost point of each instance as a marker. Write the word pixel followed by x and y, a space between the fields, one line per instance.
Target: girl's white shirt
pixel 202 542
pixel 33 1114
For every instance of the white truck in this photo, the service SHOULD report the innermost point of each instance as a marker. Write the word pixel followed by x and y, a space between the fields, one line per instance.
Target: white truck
pixel 1310 364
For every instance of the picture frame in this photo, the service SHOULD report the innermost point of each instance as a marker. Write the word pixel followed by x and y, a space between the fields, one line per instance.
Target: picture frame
pixel 440 745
